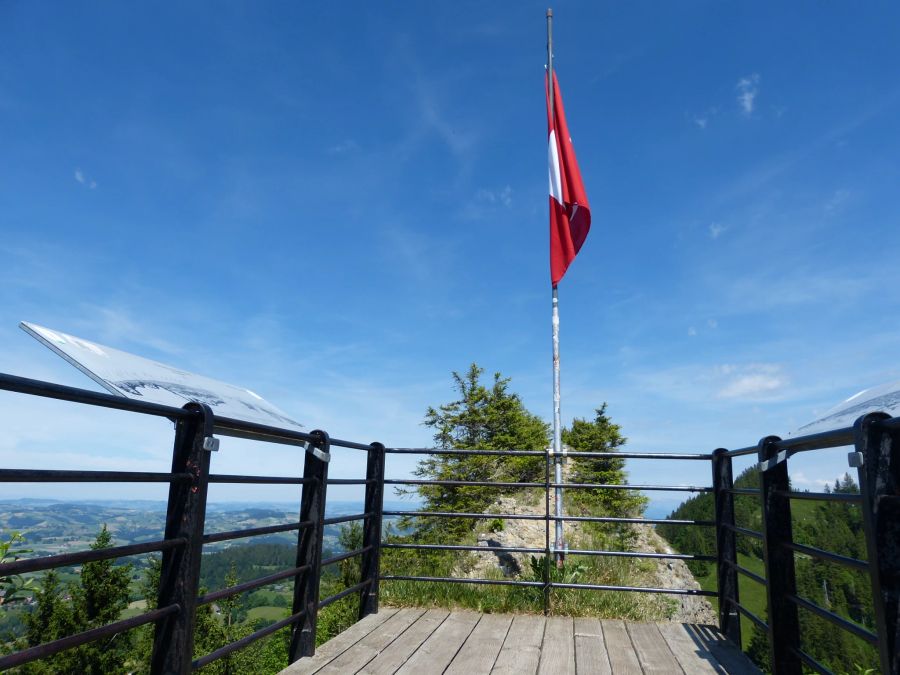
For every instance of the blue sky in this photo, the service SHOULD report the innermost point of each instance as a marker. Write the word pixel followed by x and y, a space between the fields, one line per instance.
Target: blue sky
pixel 335 205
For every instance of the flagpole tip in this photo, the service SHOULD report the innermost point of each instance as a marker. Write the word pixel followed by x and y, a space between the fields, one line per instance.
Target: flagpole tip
pixel 549 12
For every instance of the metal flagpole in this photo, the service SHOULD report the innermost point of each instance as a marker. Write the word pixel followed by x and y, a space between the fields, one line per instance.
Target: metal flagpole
pixel 557 429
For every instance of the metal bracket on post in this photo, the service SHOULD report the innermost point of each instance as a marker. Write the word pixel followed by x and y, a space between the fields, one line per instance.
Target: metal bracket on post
pixel 317 452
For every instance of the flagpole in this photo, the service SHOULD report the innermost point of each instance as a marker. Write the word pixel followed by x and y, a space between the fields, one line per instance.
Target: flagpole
pixel 557 428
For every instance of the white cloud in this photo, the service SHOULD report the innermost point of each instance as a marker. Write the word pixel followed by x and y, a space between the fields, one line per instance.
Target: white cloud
pixel 747 89
pixel 502 196
pixel 800 479
pixel 837 200
pixel 346 146
pixel 716 229
pixel 701 122
pixel 84 180
pixel 753 381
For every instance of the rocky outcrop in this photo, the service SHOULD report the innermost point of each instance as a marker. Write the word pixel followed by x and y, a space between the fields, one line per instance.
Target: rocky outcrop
pixel 495 534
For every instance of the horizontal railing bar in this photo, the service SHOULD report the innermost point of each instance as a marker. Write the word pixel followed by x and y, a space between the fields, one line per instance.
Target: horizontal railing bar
pixel 349 444
pixel 344 556
pixel 455 580
pixel 92 555
pixel 752 450
pixel 255 531
pixel 25 385
pixel 351 481
pixel 834 438
pixel 638 554
pixel 610 486
pixel 524 516
pixel 454 547
pixel 246 641
pixel 743 530
pixel 638 455
pixel 75 476
pixel 836 619
pixel 229 426
pixel 51 648
pixel 752 492
pixel 485 453
pixel 542 453
pixel 589 486
pixel 250 585
pixel 810 662
pixel 814 552
pixel 347 519
pixel 750 615
pixel 459 514
pixel 258 480
pixel 635 589
pixel 844 497
pixel 463 483
pixel 747 573
pixel 344 593
pixel 638 521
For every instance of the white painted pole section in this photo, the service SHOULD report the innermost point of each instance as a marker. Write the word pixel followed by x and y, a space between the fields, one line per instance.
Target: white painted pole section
pixel 557 432
pixel 557 428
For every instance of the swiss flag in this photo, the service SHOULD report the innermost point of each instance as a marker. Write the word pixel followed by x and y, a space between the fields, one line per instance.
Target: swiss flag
pixel 570 213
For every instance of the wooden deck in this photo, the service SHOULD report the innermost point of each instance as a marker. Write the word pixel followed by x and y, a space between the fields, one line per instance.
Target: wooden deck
pixel 418 641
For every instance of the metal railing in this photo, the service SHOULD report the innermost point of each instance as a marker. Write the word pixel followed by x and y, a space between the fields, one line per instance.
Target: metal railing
pixel 182 545
pixel 547 584
pixel 875 438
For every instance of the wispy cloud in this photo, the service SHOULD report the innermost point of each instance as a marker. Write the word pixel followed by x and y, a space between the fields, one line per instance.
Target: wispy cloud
pixel 716 230
pixel 346 146
pixel 502 196
pixel 836 201
pixel 747 89
pixel 84 180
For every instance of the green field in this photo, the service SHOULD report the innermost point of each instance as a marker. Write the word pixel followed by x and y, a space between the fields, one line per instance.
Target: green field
pixel 266 613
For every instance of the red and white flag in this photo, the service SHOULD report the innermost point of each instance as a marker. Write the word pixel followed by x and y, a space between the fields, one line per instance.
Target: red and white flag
pixel 570 213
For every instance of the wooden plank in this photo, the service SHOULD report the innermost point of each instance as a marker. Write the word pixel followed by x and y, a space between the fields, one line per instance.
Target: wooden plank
pixel 521 651
pixel 622 659
pixel 558 647
pixel 439 649
pixel 732 659
pixel 397 653
pixel 590 649
pixel 690 653
pixel 651 649
pixel 480 650
pixel 370 646
pixel 339 643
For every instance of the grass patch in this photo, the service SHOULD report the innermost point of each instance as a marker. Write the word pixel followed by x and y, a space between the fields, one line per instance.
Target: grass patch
pixel 266 613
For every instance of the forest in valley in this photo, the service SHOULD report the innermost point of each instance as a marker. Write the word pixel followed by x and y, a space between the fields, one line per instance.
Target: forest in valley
pixel 832 526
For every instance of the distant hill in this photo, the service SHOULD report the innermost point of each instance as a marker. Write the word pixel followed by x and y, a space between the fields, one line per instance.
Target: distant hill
pixel 58 526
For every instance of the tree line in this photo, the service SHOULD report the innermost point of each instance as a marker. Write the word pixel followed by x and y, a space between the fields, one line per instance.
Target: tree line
pixel 834 526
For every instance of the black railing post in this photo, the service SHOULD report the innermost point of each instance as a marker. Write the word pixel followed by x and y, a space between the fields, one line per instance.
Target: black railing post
pixel 179 582
pixel 309 546
pixel 784 624
pixel 726 547
pixel 370 566
pixel 878 460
